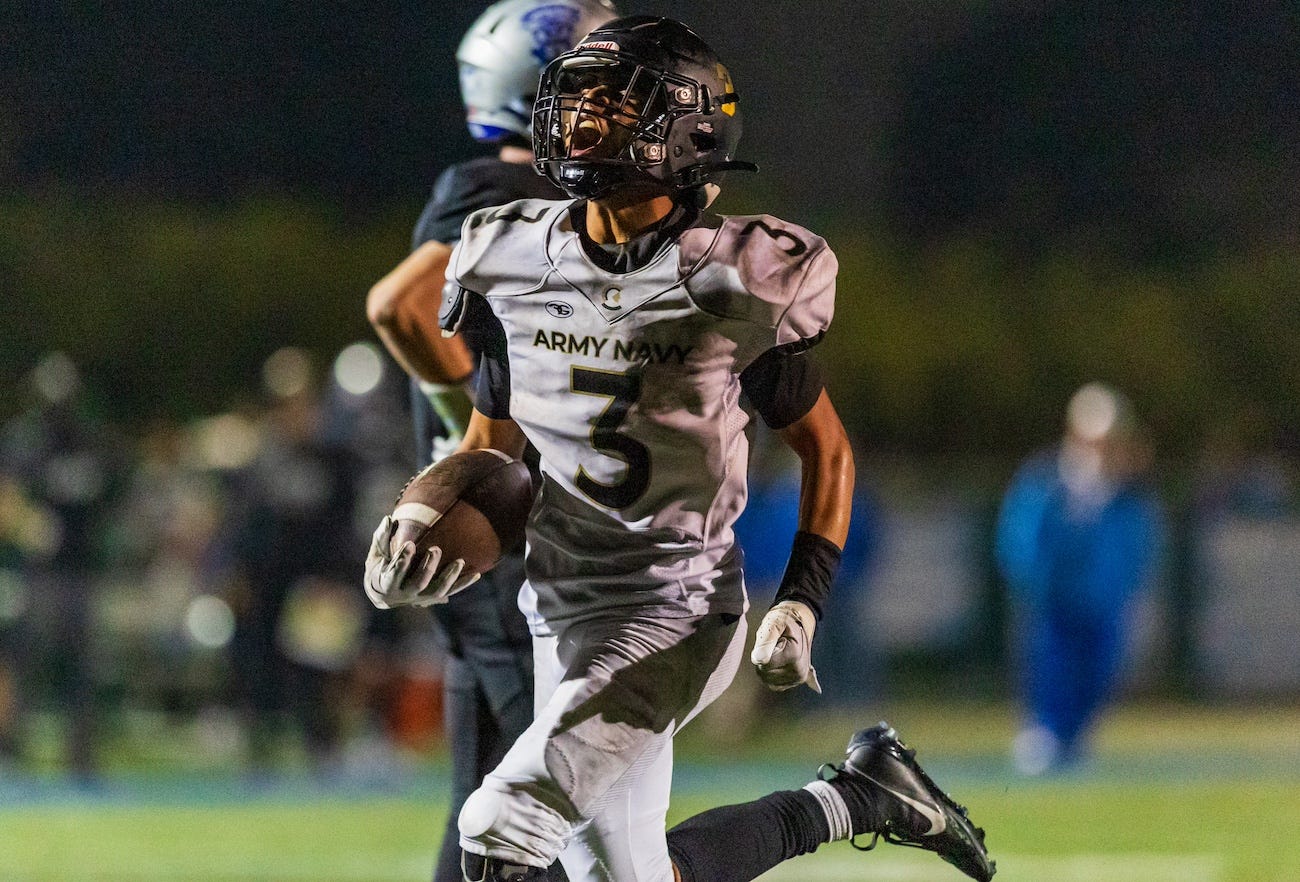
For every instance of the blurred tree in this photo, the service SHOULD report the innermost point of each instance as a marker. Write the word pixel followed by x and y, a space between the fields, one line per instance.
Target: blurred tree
pixel 957 348
pixel 961 349
pixel 172 308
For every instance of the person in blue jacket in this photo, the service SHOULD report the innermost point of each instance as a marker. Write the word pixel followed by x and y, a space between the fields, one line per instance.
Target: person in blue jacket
pixel 1078 535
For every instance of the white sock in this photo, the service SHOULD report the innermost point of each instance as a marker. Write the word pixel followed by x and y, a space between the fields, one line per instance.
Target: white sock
pixel 837 811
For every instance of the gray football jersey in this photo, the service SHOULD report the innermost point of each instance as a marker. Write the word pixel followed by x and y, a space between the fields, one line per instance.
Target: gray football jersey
pixel 629 387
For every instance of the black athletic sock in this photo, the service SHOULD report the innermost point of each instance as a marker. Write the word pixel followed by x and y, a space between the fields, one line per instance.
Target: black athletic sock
pixel 864 812
pixel 738 843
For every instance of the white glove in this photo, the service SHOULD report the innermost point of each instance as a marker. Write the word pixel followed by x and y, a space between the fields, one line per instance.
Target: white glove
pixel 398 579
pixel 783 647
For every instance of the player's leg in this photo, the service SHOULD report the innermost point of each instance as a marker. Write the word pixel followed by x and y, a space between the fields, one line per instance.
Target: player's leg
pixel 625 838
pixel 465 713
pixel 879 790
pixel 489 696
pixel 625 685
pixel 497 644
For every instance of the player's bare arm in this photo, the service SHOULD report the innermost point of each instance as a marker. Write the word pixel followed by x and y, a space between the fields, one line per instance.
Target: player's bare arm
pixel 783 643
pixel 826 458
pixel 403 309
pixel 485 433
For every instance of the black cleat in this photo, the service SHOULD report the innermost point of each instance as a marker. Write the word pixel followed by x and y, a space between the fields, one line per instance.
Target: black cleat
pixel 911 809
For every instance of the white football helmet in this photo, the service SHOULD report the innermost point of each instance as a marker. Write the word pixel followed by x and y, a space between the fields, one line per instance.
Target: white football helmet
pixel 502 55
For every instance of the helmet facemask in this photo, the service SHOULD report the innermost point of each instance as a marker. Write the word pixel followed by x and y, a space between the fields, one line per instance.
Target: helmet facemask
pixel 603 121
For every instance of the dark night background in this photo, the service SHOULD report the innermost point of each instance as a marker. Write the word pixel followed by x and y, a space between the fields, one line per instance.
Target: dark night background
pixel 1028 169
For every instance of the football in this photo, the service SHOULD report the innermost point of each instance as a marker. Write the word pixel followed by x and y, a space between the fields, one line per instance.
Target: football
pixel 472 505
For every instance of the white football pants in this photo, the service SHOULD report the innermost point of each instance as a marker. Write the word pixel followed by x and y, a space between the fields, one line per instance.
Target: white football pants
pixel 589 780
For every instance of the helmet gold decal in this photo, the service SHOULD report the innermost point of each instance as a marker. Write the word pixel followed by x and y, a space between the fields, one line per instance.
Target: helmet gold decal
pixel 729 108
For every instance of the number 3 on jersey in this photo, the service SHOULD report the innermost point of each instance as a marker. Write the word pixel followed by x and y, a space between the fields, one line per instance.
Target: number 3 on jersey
pixel 623 389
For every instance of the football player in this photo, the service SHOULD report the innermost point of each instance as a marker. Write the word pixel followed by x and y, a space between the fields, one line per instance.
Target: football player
pixel 488 694
pixel 618 330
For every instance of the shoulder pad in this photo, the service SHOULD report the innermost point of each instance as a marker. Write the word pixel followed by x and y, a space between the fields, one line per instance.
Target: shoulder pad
pixel 764 270
pixel 451 309
pixel 502 250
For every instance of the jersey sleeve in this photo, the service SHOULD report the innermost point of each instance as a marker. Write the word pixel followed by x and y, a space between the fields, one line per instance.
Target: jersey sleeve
pixel 499 252
pixel 775 282
pixel 483 333
pixel 808 315
pixel 468 313
pixel 502 249
pixel 775 277
pixel 492 396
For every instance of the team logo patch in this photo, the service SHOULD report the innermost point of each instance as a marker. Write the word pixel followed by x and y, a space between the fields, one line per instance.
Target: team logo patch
pixel 611 298
pixel 551 28
pixel 559 309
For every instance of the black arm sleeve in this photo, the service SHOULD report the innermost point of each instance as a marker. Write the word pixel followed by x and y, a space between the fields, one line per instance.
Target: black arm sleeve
pixel 783 383
pixel 814 560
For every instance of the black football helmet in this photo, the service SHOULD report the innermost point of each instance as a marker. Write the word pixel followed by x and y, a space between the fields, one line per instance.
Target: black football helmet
pixel 640 100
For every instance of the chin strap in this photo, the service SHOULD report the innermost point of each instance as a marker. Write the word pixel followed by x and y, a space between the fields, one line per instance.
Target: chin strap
pixel 733 165
pixel 699 175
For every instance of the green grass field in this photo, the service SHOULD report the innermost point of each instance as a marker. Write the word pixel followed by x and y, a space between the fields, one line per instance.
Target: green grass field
pixel 1174 794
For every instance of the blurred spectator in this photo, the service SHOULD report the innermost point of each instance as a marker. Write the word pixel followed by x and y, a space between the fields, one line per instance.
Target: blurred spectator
pixel 155 635
pixel 60 471
pixel 290 536
pixel 1077 537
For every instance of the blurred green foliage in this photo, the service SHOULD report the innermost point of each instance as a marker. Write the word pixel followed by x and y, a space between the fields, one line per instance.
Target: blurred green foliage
pixel 956 347
pixel 170 308
pixel 959 348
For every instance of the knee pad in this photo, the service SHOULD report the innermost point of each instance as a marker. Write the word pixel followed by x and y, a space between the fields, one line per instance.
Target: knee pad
pixel 477 868
pixel 514 824
pixel 479 813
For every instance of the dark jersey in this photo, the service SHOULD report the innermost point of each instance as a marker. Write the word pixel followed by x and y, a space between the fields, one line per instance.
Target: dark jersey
pixel 468 186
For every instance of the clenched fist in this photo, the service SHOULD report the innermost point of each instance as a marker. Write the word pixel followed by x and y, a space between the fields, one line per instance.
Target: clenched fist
pixel 783 647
